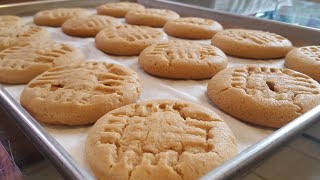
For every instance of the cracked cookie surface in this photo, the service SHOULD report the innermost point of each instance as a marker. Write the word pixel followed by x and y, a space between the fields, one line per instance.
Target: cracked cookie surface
pixel 251 44
pixel 127 39
pixel 192 28
pixel 160 139
pixel 305 60
pixel 150 17
pixel 56 17
pixel 266 96
pixel 80 93
pixel 182 60
pixel 20 64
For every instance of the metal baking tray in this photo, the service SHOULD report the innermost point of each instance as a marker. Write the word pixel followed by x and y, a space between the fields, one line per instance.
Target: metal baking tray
pixel 67 166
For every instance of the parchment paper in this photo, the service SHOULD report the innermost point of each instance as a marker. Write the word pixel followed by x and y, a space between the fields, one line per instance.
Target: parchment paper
pixel 73 138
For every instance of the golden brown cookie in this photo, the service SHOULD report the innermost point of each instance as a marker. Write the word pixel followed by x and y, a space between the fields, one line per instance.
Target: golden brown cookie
pixel 269 97
pixel 127 39
pixel 192 28
pixel 305 60
pixel 23 35
pixel 150 17
pixel 86 26
pixel 20 64
pixel 182 60
pixel 56 17
pixel 160 139
pixel 81 93
pixel 251 44
pixel 118 9
pixel 10 21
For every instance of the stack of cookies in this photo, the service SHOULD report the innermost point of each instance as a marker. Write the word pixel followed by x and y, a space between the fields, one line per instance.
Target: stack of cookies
pixel 157 139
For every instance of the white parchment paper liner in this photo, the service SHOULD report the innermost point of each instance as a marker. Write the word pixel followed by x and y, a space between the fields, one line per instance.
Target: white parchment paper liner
pixel 73 138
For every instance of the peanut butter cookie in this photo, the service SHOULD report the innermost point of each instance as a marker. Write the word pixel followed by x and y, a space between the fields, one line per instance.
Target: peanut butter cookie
pixel 56 17
pixel 251 44
pixel 81 93
pixel 127 39
pixel 192 28
pixel 7 21
pixel 162 139
pixel 118 9
pixel 20 64
pixel 150 17
pixel 269 97
pixel 182 60
pixel 23 35
pixel 305 60
pixel 88 26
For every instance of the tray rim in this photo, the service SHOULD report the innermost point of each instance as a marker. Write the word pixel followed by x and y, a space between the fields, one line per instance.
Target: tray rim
pixel 246 22
pixel 42 140
pixel 67 166
pixel 170 2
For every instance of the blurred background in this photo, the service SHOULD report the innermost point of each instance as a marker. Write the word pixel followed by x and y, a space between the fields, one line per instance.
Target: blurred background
pixel 300 12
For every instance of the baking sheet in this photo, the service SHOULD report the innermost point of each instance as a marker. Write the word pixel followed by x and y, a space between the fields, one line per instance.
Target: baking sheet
pixel 73 138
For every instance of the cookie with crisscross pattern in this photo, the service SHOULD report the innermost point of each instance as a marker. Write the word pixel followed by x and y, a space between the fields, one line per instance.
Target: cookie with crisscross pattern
pixel 182 60
pixel 86 26
pixel 127 39
pixel 192 28
pixel 160 139
pixel 56 17
pixel 251 44
pixel 80 93
pixel 118 9
pixel 266 96
pixel 23 35
pixel 150 17
pixel 7 21
pixel 20 64
pixel 305 60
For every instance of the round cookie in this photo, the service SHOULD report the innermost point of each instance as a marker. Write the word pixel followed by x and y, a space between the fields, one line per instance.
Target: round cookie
pixel 182 60
pixel 161 139
pixel 118 9
pixel 81 93
pixel 10 21
pixel 192 28
pixel 305 60
pixel 56 17
pixel 20 64
pixel 269 97
pixel 251 44
pixel 86 26
pixel 127 39
pixel 150 17
pixel 23 35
